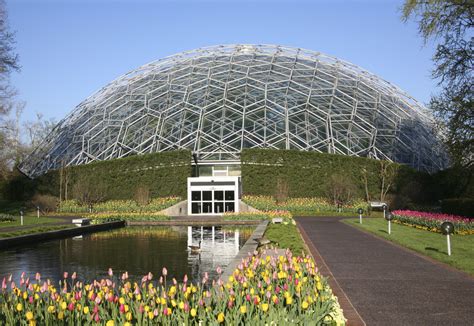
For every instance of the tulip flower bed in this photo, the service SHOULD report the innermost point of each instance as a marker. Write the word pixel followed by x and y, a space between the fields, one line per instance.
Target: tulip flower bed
pixel 253 216
pixel 98 218
pixel 120 206
pixel 300 206
pixel 432 221
pixel 262 290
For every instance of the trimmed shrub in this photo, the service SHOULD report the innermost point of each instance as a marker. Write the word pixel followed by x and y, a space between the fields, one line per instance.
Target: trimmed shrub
pixel 458 206
pixel 308 173
pixel 163 174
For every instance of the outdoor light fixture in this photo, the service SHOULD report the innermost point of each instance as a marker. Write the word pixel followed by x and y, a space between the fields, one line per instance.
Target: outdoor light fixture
pixel 389 218
pixel 360 211
pixel 447 228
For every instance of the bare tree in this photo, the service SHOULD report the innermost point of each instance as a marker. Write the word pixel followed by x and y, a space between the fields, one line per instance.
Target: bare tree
pixel 387 174
pixel 340 189
pixel 281 191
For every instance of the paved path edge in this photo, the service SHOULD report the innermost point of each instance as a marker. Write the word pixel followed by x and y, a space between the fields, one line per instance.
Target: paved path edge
pixel 350 313
pixel 412 251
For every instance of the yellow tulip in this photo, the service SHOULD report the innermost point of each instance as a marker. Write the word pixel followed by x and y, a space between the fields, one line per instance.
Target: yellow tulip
pixel 51 309
pixel 19 307
pixel 305 305
pixel 61 315
pixel 110 323
pixel 128 316
pixel 29 315
pixel 220 317
pixel 265 307
pixel 150 315
pixel 86 310
pixel 243 309
pixel 63 305
pixel 121 300
pixel 193 312
pixel 181 305
pixel 289 300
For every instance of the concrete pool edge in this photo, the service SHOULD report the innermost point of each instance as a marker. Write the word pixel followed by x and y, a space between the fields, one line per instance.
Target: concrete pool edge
pixel 58 234
pixel 249 247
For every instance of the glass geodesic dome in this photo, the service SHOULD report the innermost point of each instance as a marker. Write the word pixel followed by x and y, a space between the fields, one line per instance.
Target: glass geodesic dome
pixel 218 100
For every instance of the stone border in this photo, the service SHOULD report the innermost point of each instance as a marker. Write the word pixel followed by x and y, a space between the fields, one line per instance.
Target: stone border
pixel 57 234
pixel 191 223
pixel 349 311
pixel 249 247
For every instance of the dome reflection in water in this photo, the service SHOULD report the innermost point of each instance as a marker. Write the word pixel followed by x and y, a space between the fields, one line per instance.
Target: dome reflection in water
pixel 138 250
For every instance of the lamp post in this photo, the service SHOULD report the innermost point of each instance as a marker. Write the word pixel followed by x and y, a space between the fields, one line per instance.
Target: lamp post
pixel 389 218
pixel 360 211
pixel 447 228
pixel 21 217
pixel 384 207
pixel 38 211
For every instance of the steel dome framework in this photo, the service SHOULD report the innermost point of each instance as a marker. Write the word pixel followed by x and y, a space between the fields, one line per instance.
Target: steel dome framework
pixel 217 100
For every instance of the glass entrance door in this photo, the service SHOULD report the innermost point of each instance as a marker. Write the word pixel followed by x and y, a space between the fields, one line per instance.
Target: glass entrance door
pixel 212 201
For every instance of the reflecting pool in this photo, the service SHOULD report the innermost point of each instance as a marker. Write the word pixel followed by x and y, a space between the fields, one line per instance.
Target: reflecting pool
pixel 137 250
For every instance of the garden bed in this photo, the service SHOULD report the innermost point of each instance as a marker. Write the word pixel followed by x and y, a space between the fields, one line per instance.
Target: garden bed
pixel 432 221
pixel 261 290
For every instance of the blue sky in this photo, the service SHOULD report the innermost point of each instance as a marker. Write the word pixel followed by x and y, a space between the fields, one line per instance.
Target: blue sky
pixel 69 49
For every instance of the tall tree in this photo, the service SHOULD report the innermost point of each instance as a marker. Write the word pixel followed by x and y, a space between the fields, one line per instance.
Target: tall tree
pixel 8 64
pixel 450 23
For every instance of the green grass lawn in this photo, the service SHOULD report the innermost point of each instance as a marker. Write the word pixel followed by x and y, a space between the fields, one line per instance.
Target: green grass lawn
pixel 428 243
pixel 30 220
pixel 39 229
pixel 286 236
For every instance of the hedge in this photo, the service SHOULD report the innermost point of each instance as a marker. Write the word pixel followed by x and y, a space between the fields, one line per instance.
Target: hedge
pixel 307 173
pixel 164 174
pixel 458 206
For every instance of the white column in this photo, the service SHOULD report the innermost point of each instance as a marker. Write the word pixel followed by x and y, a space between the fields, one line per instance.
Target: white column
pixel 190 235
pixel 202 233
pixel 213 235
pixel 236 238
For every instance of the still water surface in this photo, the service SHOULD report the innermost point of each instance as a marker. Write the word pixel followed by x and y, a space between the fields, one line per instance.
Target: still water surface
pixel 138 250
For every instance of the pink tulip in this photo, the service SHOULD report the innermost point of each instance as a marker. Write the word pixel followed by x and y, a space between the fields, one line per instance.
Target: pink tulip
pixel 185 279
pixel 31 299
pixel 110 272
pixel 161 279
pixel 155 312
pixel 219 270
pixel 230 304
pixel 122 308
pixel 96 318
pixel 4 284
pixel 65 274
pixel 73 276
pixel 164 272
pixel 38 277
pixel 149 276
pixel 70 307
pixel 141 309
pixel 174 281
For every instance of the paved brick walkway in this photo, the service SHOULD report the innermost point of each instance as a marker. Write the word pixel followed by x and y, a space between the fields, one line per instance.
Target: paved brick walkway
pixel 389 285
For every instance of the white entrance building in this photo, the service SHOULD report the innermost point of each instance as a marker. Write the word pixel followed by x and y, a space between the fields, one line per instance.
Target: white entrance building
pixel 213 195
